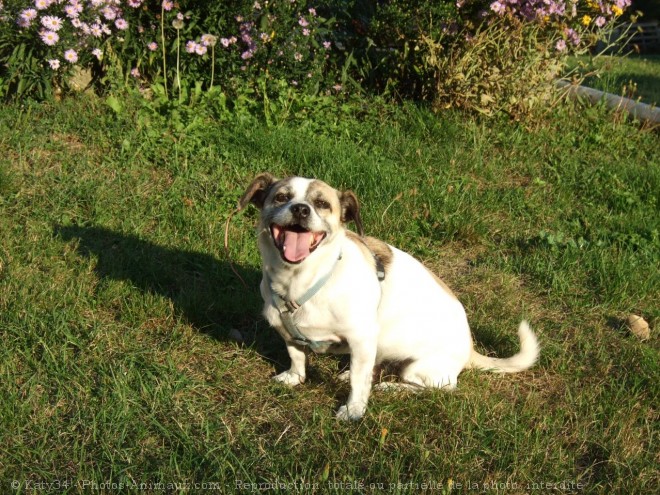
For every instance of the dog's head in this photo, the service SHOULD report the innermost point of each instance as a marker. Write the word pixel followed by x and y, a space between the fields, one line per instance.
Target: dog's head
pixel 300 215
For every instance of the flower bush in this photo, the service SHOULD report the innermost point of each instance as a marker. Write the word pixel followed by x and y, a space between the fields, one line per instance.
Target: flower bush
pixel 43 41
pixel 489 56
pixel 441 50
pixel 392 39
pixel 570 21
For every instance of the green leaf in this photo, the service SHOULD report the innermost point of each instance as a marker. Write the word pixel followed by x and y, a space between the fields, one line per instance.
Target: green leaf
pixel 114 103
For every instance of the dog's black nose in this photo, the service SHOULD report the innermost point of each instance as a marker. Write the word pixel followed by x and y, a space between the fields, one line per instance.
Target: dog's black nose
pixel 300 210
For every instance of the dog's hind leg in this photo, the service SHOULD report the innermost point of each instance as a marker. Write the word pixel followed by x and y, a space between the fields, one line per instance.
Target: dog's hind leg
pixel 295 375
pixel 344 376
pixel 425 373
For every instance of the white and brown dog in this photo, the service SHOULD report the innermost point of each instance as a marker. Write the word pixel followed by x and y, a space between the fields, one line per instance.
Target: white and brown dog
pixel 328 289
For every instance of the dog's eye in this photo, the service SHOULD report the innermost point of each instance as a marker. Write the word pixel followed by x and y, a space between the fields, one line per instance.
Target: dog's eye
pixel 322 204
pixel 282 197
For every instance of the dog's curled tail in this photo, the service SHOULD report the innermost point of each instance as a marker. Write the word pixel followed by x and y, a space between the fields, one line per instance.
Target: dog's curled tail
pixel 528 355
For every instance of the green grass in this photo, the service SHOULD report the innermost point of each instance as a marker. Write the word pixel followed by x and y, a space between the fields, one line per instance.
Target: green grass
pixel 117 302
pixel 633 76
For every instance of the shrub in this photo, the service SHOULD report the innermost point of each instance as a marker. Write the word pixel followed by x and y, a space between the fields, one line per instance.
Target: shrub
pixel 42 42
pixel 480 55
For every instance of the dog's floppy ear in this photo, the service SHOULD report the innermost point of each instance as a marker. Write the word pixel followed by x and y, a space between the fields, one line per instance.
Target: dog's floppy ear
pixel 257 191
pixel 350 210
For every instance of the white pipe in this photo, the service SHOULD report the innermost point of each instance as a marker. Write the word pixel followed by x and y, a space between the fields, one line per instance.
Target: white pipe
pixel 639 111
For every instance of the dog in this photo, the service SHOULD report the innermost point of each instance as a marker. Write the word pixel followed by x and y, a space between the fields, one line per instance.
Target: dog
pixel 328 289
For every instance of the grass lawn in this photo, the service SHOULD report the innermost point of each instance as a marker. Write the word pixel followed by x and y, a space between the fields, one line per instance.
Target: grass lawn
pixel 117 304
pixel 633 76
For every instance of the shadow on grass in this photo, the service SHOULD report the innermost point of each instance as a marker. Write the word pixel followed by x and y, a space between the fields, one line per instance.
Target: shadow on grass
pixel 203 289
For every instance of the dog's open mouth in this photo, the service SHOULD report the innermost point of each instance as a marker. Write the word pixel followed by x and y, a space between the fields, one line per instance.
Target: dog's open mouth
pixel 295 242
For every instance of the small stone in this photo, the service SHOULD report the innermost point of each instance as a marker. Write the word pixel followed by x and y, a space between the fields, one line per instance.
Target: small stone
pixel 638 326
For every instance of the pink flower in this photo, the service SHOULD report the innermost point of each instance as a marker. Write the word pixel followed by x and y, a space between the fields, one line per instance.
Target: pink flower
pixel 134 3
pixel 327 45
pixel 573 36
pixel 54 64
pixel 209 40
pixel 560 46
pixel 153 46
pixel 121 24
pixel 200 49
pixel 109 13
pixel 168 5
pixel 41 4
pixel 29 14
pixel 303 22
pixel 51 22
pixel 49 37
pixel 190 46
pixel 135 72
pixel 498 7
pixel 97 53
pixel 306 32
pixel 71 56
pixel 298 56
pixel 224 42
pixel 71 11
pixel 600 21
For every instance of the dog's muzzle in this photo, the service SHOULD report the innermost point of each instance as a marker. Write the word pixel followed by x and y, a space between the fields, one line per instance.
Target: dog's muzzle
pixel 295 242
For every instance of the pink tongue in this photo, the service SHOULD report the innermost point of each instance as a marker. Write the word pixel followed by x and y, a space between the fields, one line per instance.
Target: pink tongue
pixel 296 245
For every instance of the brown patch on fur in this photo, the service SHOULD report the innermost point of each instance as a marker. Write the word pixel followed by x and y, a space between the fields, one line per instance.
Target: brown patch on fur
pixel 373 247
pixel 319 190
pixel 381 250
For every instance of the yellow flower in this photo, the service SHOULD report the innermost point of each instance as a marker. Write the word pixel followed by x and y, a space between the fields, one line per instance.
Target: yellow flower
pixel 593 5
pixel 617 10
pixel 586 20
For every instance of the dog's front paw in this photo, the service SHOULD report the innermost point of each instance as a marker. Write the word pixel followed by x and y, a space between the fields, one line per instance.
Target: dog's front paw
pixel 350 413
pixel 289 378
